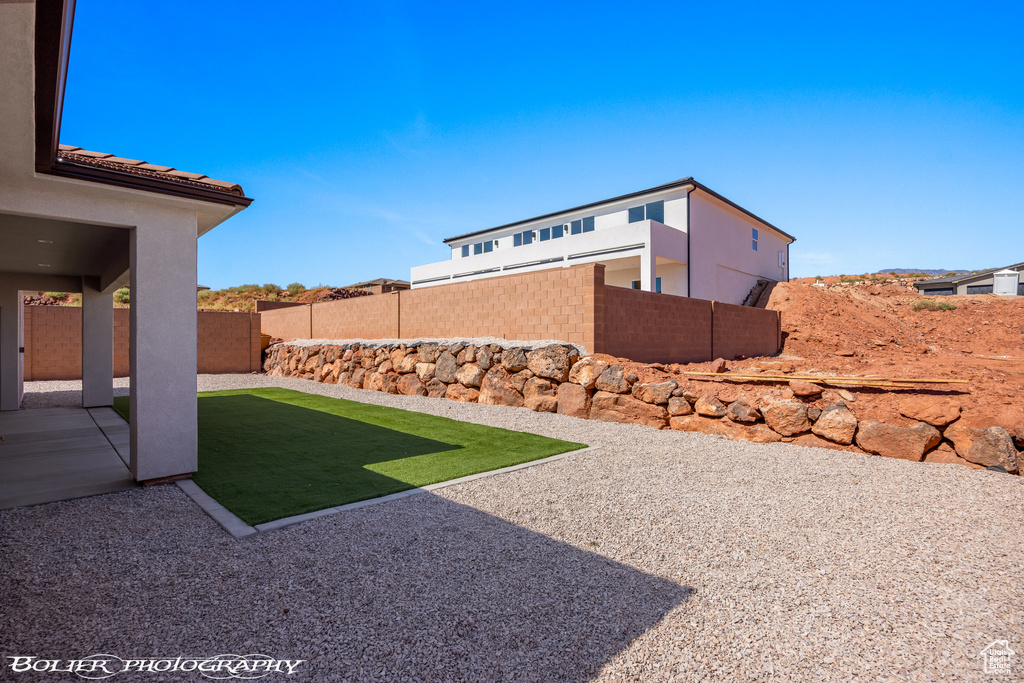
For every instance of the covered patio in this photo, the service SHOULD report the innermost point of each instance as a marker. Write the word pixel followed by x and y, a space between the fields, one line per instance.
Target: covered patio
pixel 74 220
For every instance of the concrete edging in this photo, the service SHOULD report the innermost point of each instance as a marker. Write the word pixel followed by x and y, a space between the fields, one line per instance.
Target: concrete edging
pixel 239 529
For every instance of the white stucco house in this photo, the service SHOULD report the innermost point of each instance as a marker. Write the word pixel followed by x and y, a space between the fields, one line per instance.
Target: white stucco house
pixel 73 220
pixel 680 238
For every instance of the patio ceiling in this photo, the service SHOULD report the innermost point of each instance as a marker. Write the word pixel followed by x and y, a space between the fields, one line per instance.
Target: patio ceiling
pixel 46 246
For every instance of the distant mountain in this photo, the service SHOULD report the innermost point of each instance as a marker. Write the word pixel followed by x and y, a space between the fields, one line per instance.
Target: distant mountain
pixel 937 272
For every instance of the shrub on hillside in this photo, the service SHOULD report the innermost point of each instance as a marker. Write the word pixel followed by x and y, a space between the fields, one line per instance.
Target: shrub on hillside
pixel 929 305
pixel 122 296
pixel 296 288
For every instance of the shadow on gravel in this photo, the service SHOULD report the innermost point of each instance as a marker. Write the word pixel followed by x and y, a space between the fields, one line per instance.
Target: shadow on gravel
pixel 423 588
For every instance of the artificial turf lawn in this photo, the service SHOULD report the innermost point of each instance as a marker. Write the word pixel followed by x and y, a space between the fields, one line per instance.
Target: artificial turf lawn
pixel 270 453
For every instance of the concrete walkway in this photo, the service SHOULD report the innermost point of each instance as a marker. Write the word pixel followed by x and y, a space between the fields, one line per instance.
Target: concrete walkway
pixel 56 454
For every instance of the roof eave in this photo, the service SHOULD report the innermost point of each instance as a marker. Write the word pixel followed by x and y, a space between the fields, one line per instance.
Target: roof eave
pixel 677 184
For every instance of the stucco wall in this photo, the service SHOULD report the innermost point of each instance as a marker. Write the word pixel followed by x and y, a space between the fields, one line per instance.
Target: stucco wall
pixel 724 264
pixel 226 342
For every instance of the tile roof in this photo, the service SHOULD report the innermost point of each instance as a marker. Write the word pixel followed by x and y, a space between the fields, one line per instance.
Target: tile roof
pixel 379 281
pixel 77 155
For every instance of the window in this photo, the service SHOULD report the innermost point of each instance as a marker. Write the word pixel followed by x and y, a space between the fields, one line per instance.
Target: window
pixel 576 227
pixel 754 233
pixel 582 225
pixel 556 231
pixel 755 245
pixel 588 224
pixel 521 238
pixel 465 250
pixel 489 245
pixel 657 284
pixel 478 248
pixel 528 237
pixel 654 211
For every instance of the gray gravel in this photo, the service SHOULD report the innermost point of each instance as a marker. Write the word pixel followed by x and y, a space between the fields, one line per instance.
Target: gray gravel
pixel 446 341
pixel 660 557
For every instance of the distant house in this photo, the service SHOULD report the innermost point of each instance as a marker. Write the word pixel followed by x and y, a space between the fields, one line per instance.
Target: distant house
pixel 381 285
pixel 1009 279
pixel 680 238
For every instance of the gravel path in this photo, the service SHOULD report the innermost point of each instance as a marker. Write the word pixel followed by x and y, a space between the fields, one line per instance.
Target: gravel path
pixel 661 557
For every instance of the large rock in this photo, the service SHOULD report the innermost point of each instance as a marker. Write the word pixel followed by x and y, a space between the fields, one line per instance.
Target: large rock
pixel 514 359
pixel 657 393
pixel 586 371
pixel 396 356
pixel 520 378
pixel 410 385
pixel 425 371
pixel 678 406
pixel 446 367
pixel 804 388
pixel 710 406
pixel 436 388
pixel 624 408
pixel 469 375
pixel 786 417
pixel 457 392
pixel 836 423
pixel 945 454
pixel 552 362
pixel 573 400
pixel 428 353
pixel 612 380
pixel 356 380
pixel 988 447
pixel 741 411
pixel 408 363
pixel 936 412
pixel 484 358
pixel 892 441
pixel 539 395
pixel 700 425
pixel 374 381
pixel 497 390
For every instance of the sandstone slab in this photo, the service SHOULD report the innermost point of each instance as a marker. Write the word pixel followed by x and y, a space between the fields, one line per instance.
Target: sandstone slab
pixel 936 412
pixel 626 409
pixel 410 385
pixel 612 380
pixel 892 441
pixel 496 389
pixel 573 400
pixel 987 447
pixel 741 411
pixel 710 406
pixel 457 392
pixel 586 371
pixel 836 423
pixel 787 417
pixel 656 393
pixel 470 375
pixel 446 367
pixel 551 362
pixel 539 395
pixel 678 407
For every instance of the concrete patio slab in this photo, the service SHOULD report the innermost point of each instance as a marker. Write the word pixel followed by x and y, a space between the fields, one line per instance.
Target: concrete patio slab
pixel 56 454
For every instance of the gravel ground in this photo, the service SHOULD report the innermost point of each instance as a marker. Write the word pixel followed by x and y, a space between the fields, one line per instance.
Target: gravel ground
pixel 660 557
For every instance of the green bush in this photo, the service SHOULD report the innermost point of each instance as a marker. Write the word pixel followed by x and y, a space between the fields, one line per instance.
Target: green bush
pixel 296 288
pixel 204 294
pixel 56 295
pixel 270 288
pixel 122 296
pixel 929 305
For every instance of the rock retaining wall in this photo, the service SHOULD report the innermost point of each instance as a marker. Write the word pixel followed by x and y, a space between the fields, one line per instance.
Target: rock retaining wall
pixel 557 378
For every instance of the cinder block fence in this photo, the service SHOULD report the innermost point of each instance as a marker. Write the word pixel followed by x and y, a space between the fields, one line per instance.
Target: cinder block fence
pixel 568 304
pixel 227 342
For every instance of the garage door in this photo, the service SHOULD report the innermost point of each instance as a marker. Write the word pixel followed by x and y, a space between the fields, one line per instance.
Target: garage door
pixel 1020 289
pixel 979 289
pixel 938 292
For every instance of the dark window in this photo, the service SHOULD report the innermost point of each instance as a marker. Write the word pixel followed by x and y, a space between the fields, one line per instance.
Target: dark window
pixel 657 284
pixel 1020 289
pixel 755 232
pixel 979 289
pixel 489 245
pixel 755 245
pixel 556 231
pixel 528 237
pixel 588 224
pixel 938 292
pixel 576 227
pixel 636 284
pixel 478 248
pixel 636 214
pixel 517 239
pixel 656 211
pixel 465 250
pixel 545 234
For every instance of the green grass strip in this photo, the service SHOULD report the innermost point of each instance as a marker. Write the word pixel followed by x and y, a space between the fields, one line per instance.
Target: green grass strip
pixel 270 453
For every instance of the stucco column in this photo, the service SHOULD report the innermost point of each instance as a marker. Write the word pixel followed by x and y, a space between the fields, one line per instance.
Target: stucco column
pixel 97 345
pixel 648 270
pixel 163 347
pixel 10 345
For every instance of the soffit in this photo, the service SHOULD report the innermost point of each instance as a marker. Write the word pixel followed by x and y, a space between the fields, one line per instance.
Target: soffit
pixel 66 248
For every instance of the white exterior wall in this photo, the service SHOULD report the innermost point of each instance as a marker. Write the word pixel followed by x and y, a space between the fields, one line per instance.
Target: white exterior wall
pixel 725 266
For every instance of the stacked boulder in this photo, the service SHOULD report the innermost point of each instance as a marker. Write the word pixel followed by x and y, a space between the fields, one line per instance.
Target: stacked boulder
pixel 558 379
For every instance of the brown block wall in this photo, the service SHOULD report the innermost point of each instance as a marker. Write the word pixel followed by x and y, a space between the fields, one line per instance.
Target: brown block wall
pixel 655 328
pixel 548 304
pixel 263 306
pixel 227 342
pixel 365 317
pixel 742 330
pixel 292 322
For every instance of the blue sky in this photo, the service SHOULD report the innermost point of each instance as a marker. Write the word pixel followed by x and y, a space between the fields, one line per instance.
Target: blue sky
pixel 880 135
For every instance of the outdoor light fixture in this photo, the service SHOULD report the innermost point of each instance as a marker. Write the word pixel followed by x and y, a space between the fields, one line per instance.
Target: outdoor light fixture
pixel 45 241
pixel 43 265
